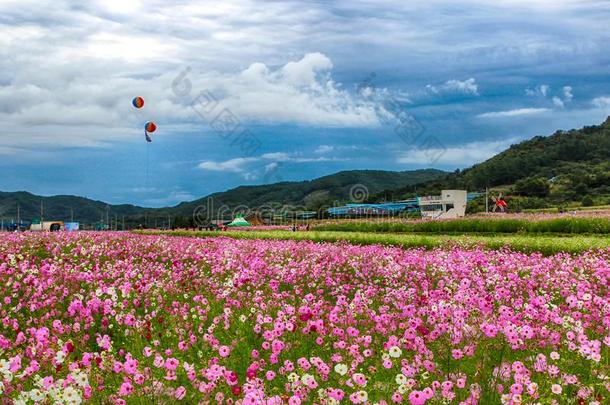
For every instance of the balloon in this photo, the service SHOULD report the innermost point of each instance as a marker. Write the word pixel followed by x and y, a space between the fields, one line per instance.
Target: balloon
pixel 138 102
pixel 150 127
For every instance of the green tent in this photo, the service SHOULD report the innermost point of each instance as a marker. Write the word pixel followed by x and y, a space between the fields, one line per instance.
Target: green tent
pixel 239 221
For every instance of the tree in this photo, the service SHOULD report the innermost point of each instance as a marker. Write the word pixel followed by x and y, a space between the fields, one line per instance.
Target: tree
pixel 587 201
pixel 533 187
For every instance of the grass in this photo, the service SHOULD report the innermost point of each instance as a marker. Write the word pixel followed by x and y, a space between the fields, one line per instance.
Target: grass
pixel 583 225
pixel 546 245
pixel 569 208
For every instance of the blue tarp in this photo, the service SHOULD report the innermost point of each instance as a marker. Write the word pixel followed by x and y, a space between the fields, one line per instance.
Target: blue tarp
pixel 390 208
pixel 71 226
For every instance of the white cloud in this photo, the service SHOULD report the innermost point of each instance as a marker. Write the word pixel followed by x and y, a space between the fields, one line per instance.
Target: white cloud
pixel 458 156
pixel 301 91
pixel 558 102
pixel 567 94
pixel 246 166
pixel 235 165
pixel 541 90
pixel 513 113
pixel 324 149
pixel 271 167
pixel 544 90
pixel 78 66
pixel 468 86
pixel 601 102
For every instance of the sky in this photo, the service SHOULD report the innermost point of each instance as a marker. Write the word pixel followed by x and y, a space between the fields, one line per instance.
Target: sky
pixel 248 92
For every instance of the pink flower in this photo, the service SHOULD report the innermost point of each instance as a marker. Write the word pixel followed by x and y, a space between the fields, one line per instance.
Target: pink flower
pixel 224 351
pixel 47 382
pixel 457 354
pixel 130 365
pixel 294 400
pixel 126 389
pixel 359 379
pixel 180 393
pixel 417 398
pixel 516 389
pixel 171 364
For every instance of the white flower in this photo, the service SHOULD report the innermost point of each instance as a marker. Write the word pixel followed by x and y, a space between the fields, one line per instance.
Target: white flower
pixel 60 357
pixel 401 379
pixel 36 395
pixel 363 395
pixel 395 352
pixel 80 378
pixel 71 396
pixel 293 377
pixel 340 369
pixel 307 378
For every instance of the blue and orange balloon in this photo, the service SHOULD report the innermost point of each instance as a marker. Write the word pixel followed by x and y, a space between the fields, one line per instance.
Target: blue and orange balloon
pixel 150 127
pixel 138 102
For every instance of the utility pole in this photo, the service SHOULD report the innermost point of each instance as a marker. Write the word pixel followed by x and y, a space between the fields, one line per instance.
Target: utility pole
pixel 107 217
pixel 71 214
pixel 18 217
pixel 486 200
pixel 116 221
pixel 123 222
pixel 169 222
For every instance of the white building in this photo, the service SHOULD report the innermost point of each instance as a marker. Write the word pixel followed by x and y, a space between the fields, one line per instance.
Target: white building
pixel 51 226
pixel 450 204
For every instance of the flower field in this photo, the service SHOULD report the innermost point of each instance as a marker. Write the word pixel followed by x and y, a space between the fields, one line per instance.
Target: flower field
pixel 124 318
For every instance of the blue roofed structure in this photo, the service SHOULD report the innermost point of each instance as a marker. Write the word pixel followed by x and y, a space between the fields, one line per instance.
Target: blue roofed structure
pixel 389 208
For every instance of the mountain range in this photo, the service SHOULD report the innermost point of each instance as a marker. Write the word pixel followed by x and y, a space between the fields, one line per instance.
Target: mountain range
pixel 302 195
pixel 567 167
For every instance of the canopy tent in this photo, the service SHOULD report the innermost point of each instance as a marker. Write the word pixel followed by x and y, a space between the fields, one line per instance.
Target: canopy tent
pixel 239 221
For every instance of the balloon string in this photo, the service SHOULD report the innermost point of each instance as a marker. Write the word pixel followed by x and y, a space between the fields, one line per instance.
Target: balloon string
pixel 147 159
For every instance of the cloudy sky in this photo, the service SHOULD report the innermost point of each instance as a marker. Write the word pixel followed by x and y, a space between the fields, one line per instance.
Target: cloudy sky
pixel 253 92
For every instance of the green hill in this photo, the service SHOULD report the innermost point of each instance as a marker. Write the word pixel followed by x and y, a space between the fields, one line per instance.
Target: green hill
pixel 313 194
pixel 566 168
pixel 60 207
pixel 310 194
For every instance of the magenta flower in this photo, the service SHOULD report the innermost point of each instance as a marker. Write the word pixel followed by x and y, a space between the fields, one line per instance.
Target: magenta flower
pixel 224 351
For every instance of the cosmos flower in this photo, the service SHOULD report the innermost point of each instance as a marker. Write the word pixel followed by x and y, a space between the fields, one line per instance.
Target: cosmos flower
pixel 117 317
